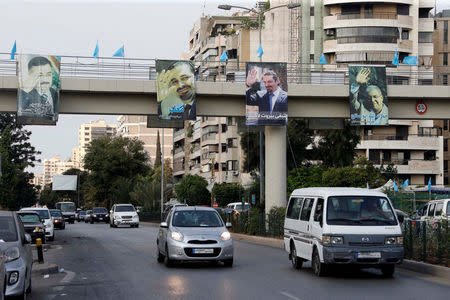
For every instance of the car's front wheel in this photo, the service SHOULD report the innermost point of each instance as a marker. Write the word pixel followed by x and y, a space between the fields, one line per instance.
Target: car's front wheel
pixel 228 263
pixel 167 261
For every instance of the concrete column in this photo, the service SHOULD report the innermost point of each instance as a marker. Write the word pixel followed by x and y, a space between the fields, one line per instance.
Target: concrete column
pixel 305 49
pixel 275 166
pixel 318 30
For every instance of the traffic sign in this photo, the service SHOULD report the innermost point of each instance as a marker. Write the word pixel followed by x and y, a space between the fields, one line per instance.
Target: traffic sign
pixel 215 204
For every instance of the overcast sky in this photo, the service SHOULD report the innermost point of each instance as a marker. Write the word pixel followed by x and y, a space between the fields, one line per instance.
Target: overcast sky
pixel 147 28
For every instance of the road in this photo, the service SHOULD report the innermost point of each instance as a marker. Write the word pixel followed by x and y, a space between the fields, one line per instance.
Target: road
pixel 100 262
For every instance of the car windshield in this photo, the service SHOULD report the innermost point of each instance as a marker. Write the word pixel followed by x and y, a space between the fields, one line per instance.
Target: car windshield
pixel 29 218
pixel 8 232
pixel 43 214
pixel 121 208
pixel 196 218
pixel 82 213
pixel 66 206
pixel 55 213
pixel 240 207
pixel 359 210
pixel 100 210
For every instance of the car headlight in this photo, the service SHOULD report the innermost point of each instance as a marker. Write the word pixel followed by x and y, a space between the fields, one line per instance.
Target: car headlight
pixel 332 240
pixel 394 240
pixel 12 254
pixel 177 236
pixel 225 236
pixel 107 215
pixel 116 217
pixel 95 216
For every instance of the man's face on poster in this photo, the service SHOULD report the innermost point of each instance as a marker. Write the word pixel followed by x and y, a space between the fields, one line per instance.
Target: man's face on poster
pixel 42 77
pixel 182 83
pixel 377 99
pixel 270 83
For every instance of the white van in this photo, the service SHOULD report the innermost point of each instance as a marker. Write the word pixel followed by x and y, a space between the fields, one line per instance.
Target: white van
pixel 436 210
pixel 238 206
pixel 342 226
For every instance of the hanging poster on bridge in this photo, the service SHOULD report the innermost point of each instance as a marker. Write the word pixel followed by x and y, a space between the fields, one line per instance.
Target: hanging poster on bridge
pixel 266 94
pixel 175 82
pixel 38 94
pixel 368 95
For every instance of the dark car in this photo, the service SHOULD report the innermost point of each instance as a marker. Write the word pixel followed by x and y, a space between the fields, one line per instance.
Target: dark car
pixel 33 225
pixel 81 215
pixel 58 219
pixel 99 214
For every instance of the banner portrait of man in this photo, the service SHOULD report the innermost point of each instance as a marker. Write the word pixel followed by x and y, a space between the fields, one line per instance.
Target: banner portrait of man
pixel 38 93
pixel 266 94
pixel 175 81
pixel 368 95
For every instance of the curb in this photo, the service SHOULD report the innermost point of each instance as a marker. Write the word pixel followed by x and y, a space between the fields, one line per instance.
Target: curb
pixel 419 267
pixel 45 268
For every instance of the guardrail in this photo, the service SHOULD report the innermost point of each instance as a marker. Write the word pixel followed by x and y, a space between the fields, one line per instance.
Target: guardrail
pixel 144 69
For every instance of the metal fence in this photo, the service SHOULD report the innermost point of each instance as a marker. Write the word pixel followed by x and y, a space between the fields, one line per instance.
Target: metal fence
pixel 231 71
pixel 255 223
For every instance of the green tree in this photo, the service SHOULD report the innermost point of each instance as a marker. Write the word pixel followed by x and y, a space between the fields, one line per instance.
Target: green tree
pixel 228 192
pixel 304 176
pixel 250 146
pixel 111 160
pixel 299 137
pixel 192 189
pixel 158 152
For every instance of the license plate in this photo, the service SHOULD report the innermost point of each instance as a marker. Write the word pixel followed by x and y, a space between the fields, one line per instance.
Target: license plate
pixel 100 218
pixel 203 251
pixel 368 255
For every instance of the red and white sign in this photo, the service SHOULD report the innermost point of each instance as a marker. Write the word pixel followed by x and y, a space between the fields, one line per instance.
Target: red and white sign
pixel 421 108
pixel 215 204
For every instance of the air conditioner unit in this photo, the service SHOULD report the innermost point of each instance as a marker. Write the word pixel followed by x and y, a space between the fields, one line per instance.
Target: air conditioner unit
pixel 329 32
pixel 235 173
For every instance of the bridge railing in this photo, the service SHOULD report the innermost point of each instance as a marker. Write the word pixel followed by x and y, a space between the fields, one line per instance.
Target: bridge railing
pixel 231 71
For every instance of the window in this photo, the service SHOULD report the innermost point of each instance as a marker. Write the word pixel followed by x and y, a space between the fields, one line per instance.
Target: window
pixel 403 9
pixel 311 11
pixel 425 37
pixel 446 32
pixel 424 13
pixel 445 79
pixel 445 165
pixel 429 155
pixel 311 35
pixel 232 165
pixel 445 124
pixel 224 147
pixel 367 35
pixel 438 210
pixel 445 144
pixel 224 128
pixel 307 207
pixel 431 210
pixel 319 210
pixel 295 206
pixel 405 34
pixel 368 10
pixel 448 208
pixel 224 166
pixel 232 143
pixel 445 58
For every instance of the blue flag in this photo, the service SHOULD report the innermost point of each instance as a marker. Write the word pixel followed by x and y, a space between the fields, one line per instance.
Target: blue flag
pixel 395 187
pixel 224 56
pixel 58 57
pixel 429 184
pixel 96 51
pixel 120 52
pixel 13 50
pixel 410 60
pixel 322 59
pixel 395 60
pixel 260 51
pixel 405 184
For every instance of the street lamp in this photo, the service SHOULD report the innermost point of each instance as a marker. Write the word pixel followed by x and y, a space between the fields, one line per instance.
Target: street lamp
pixel 260 13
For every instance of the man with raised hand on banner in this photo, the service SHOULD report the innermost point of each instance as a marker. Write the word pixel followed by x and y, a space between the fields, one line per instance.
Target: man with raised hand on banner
pixel 270 102
pixel 37 94
pixel 371 107
pixel 176 91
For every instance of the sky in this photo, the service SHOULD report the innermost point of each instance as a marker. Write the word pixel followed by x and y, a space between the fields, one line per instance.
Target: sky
pixel 147 29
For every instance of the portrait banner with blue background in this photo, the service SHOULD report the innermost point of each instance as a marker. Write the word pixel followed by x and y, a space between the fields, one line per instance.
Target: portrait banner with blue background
pixel 368 95
pixel 175 82
pixel 266 94
pixel 38 93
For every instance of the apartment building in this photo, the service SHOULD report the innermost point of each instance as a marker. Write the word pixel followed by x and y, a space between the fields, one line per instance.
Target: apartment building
pixel 89 132
pixel 441 47
pixel 136 127
pixel 53 166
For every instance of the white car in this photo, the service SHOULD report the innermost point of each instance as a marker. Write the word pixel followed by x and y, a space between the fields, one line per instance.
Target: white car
pixel 123 214
pixel 44 214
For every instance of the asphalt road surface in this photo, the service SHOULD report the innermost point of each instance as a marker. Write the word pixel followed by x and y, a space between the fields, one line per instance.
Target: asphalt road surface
pixel 100 262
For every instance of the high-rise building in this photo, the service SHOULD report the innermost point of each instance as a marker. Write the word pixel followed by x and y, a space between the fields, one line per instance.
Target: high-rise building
pixel 441 47
pixel 54 166
pixel 136 127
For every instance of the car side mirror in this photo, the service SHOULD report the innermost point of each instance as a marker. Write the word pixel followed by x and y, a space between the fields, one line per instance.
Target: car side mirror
pixel 400 218
pixel 164 225
pixel 27 239
pixel 228 225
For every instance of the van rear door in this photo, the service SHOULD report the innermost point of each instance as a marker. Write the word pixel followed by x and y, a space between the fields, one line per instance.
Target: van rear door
pixel 304 226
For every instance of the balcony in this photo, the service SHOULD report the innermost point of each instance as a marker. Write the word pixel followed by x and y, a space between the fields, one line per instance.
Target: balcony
pixel 386 19
pixel 410 142
pixel 179 135
pixel 195 152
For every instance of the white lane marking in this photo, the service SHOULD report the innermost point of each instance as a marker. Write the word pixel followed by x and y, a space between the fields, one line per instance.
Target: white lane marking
pixel 69 277
pixel 289 296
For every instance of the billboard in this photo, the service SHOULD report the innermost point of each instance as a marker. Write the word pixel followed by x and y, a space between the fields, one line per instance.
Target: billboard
pixel 64 183
pixel 175 83
pixel 38 93
pixel 266 94
pixel 368 95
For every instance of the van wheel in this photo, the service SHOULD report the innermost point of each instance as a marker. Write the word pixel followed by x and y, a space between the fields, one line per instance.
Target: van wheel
pixel 319 268
pixel 388 270
pixel 296 261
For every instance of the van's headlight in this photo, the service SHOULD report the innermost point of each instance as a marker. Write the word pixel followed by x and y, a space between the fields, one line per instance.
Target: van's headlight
pixel 332 240
pixel 177 236
pixel 225 236
pixel 12 254
pixel 394 240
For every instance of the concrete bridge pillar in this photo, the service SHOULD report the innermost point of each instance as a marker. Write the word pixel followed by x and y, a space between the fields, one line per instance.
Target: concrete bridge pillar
pixel 275 166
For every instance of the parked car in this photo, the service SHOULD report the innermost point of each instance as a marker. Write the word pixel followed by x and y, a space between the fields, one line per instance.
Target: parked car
pixel 436 210
pixel 99 214
pixel 58 219
pixel 194 234
pixel 123 214
pixel 80 216
pixel 87 217
pixel 33 225
pixel 237 206
pixel 16 248
pixel 333 226
pixel 44 213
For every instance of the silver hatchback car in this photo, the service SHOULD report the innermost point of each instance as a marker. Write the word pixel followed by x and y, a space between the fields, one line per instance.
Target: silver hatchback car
pixel 192 233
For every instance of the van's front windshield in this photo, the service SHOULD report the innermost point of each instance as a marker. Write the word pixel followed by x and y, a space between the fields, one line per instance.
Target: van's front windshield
pixel 359 210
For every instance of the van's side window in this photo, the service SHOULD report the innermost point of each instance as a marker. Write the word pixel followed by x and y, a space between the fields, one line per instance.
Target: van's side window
pixel 295 206
pixel 319 209
pixel 438 210
pixel 448 208
pixel 307 207
pixel 431 210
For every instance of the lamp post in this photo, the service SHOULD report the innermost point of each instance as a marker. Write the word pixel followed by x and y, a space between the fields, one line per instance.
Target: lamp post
pixel 260 12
